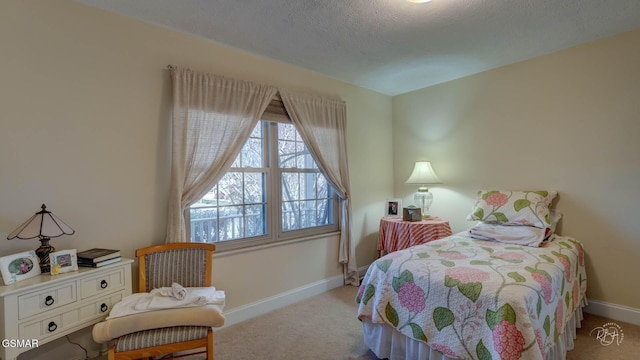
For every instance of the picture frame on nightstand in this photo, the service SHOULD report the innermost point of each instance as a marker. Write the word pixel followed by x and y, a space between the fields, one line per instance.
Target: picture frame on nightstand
pixel 393 208
pixel 63 261
pixel 20 266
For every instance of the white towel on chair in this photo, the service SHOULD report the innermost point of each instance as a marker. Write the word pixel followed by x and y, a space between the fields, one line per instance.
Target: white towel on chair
pixel 176 291
pixel 139 302
pixel 195 296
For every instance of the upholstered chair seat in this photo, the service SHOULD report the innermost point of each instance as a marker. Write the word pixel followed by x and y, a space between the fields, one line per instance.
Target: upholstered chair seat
pixel 160 266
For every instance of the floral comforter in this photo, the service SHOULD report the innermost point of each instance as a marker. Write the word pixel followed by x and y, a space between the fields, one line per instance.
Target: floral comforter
pixel 475 299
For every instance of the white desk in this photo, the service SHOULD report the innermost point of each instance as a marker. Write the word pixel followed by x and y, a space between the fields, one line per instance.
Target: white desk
pixel 44 308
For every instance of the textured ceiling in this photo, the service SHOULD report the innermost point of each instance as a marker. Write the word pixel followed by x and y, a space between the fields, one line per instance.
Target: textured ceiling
pixel 390 46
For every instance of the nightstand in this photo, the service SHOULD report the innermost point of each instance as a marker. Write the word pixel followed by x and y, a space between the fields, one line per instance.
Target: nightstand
pixel 396 234
pixel 44 308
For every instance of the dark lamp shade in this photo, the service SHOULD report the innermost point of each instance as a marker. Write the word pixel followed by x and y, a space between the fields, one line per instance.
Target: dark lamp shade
pixel 42 224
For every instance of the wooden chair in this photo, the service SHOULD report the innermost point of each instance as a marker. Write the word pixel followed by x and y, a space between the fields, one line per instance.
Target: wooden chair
pixel 188 264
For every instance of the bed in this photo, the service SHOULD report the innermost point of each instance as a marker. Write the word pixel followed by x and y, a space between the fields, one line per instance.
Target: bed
pixel 465 298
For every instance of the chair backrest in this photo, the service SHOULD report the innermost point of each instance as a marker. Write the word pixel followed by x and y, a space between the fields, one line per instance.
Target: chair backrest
pixel 188 264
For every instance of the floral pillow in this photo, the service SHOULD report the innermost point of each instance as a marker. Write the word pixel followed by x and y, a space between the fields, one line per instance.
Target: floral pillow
pixel 513 207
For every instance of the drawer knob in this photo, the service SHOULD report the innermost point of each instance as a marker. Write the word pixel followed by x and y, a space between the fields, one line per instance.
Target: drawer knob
pixel 104 284
pixel 52 326
pixel 49 300
pixel 104 307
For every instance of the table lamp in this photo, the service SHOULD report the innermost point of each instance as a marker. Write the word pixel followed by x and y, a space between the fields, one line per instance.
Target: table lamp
pixel 43 225
pixel 423 174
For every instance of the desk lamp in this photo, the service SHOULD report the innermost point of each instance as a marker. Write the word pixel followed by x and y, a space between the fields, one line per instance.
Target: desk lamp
pixel 423 174
pixel 43 225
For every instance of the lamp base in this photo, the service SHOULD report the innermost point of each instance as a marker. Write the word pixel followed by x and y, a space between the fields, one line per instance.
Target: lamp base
pixel 425 199
pixel 43 255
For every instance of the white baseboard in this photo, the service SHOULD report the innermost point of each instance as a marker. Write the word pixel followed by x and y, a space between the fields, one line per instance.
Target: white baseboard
pixel 275 302
pixel 613 311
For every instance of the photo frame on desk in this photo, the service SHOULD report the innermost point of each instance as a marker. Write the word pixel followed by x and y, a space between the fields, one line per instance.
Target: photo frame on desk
pixel 63 261
pixel 19 267
pixel 393 208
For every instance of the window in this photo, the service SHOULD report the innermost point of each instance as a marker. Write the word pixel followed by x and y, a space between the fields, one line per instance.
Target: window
pixel 273 191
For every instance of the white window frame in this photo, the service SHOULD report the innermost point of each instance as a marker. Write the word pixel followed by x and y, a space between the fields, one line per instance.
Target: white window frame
pixel 273 193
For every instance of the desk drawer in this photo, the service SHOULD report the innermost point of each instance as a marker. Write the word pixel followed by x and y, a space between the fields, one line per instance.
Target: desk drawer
pixel 104 283
pixel 99 308
pixel 44 300
pixel 50 326
pixel 59 323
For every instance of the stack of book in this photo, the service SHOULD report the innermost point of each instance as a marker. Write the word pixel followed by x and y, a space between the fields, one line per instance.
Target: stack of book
pixel 97 257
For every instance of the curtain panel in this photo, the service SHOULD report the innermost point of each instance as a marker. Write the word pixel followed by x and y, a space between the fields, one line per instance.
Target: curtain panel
pixel 212 118
pixel 322 122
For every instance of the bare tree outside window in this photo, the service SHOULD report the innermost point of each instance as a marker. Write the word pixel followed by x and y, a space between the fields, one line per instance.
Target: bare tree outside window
pixel 238 206
pixel 305 193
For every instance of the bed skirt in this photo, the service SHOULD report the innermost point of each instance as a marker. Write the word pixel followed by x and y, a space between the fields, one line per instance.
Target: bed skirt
pixel 388 343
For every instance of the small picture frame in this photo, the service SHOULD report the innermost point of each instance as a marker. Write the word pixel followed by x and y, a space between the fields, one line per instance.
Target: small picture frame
pixel 63 261
pixel 20 266
pixel 393 208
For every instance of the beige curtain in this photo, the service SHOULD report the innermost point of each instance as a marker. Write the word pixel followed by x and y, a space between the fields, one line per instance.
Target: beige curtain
pixel 322 123
pixel 212 119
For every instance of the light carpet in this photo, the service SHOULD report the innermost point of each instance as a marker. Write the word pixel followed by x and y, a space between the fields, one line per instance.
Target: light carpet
pixel 326 327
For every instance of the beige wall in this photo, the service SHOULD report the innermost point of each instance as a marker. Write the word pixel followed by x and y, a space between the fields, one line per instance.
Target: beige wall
pixel 85 97
pixel 568 121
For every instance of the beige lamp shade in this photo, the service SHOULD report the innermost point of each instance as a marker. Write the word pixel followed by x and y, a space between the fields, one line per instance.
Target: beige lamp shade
pixel 423 174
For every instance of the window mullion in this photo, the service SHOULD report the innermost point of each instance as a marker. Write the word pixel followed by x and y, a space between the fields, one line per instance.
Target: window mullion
pixel 187 221
pixel 273 188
